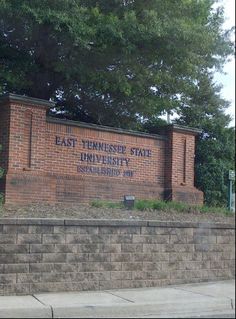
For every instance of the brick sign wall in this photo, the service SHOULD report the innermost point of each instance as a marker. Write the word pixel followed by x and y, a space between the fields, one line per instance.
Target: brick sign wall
pixel 48 159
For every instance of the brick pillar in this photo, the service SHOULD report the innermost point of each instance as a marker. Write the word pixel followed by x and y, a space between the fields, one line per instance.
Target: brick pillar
pixel 22 133
pixel 179 168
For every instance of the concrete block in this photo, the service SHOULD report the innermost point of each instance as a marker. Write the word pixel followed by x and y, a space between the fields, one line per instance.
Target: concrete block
pixel 16 268
pixel 179 248
pixel 7 278
pixel 130 230
pixel 123 257
pixel 121 275
pixel 111 266
pixel 41 267
pixel 152 266
pixel 65 229
pixel 53 238
pixel 42 248
pixel 132 266
pixel 176 239
pixel 116 239
pixel 28 278
pixel 9 229
pixel 100 257
pixel 109 248
pixel 65 248
pixel 110 284
pixel 28 258
pixel 54 257
pixel 7 258
pixel 88 230
pixel 150 230
pixel 42 229
pixel 22 229
pixel 88 248
pixel 154 248
pixel 126 248
pixel 145 257
pixel 65 267
pixel 29 238
pixel 94 276
pixel 225 240
pixel 13 248
pixel 109 230
pixel 58 277
pixel 7 239
pixel 80 257
pixel 91 266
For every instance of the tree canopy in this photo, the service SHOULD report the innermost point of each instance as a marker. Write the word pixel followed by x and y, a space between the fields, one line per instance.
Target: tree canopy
pixel 110 62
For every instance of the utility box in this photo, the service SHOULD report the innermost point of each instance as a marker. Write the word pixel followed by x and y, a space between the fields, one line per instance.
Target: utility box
pixel 129 201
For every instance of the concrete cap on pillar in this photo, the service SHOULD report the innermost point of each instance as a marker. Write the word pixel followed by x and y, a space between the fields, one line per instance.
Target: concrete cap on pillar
pixel 184 129
pixel 11 98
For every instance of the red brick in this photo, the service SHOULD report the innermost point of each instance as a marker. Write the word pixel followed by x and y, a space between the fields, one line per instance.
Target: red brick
pixel 39 170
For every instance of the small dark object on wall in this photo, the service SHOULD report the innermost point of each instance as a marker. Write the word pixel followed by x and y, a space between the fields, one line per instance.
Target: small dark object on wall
pixel 129 201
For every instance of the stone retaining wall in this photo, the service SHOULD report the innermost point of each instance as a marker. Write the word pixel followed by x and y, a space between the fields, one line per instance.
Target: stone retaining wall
pixel 46 255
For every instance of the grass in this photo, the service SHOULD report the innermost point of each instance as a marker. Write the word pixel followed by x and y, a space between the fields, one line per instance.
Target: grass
pixel 179 207
pixel 152 205
pixel 1 199
pixel 218 210
pixel 105 204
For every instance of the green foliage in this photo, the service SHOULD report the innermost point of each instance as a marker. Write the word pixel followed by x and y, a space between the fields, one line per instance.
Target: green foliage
pixel 163 206
pixel 97 203
pixel 178 207
pixel 101 60
pixel 1 172
pixel 1 199
pixel 216 210
pixel 143 204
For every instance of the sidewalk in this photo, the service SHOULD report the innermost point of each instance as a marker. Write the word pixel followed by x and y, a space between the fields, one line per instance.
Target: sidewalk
pixel 205 300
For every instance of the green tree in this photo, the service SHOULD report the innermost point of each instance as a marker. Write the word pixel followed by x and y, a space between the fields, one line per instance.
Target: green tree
pixel 109 62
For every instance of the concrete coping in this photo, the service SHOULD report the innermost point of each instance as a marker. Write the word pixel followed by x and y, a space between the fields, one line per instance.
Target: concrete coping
pixel 104 128
pixel 111 222
pixel 10 97
pixel 185 129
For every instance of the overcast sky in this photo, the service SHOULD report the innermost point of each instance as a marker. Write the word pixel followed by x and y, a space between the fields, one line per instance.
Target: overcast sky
pixel 228 80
